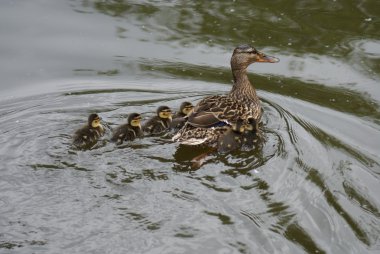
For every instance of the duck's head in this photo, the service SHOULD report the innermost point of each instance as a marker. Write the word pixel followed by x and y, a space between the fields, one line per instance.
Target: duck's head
pixel 238 126
pixel 94 121
pixel 251 125
pixel 134 120
pixel 244 55
pixel 164 112
pixel 186 107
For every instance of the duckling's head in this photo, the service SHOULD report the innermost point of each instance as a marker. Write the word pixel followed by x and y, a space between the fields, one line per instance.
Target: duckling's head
pixel 94 121
pixel 134 120
pixel 186 107
pixel 251 124
pixel 164 112
pixel 245 54
pixel 238 126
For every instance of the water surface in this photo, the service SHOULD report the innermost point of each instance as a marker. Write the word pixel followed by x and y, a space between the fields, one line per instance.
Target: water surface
pixel 310 186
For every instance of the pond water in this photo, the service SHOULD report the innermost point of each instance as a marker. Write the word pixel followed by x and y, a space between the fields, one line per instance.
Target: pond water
pixel 309 186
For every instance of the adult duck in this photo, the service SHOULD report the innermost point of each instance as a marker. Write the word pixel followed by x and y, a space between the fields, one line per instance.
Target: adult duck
pixel 213 115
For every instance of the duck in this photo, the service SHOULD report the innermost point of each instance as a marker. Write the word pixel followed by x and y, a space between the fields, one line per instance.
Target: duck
pixel 88 135
pixel 129 131
pixel 159 123
pixel 250 133
pixel 212 114
pixel 180 118
pixel 232 138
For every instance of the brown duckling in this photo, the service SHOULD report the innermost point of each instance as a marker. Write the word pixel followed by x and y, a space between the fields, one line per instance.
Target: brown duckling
pixel 250 133
pixel 184 110
pixel 87 136
pixel 129 131
pixel 232 138
pixel 159 123
pixel 180 118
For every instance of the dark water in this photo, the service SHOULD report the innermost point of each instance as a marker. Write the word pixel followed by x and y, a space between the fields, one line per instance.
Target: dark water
pixel 310 187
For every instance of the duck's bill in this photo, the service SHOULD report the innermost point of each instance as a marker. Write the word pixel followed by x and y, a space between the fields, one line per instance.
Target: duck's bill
pixel 268 59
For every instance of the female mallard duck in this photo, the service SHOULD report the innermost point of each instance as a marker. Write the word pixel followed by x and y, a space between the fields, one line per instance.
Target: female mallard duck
pixel 213 113
pixel 160 122
pixel 180 118
pixel 88 135
pixel 129 131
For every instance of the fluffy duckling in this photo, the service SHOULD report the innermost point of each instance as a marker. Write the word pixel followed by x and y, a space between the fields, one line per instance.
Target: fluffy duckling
pixel 129 131
pixel 231 139
pixel 88 135
pixel 250 133
pixel 184 110
pixel 179 119
pixel 160 122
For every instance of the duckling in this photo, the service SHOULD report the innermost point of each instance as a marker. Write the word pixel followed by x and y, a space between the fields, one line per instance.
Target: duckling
pixel 88 135
pixel 184 110
pixel 129 131
pixel 160 122
pixel 249 136
pixel 180 118
pixel 231 139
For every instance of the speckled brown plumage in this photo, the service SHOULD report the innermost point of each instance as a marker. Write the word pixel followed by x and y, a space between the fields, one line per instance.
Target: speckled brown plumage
pixel 213 112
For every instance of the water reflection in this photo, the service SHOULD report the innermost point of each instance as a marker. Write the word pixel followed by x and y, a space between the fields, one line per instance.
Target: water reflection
pixel 239 20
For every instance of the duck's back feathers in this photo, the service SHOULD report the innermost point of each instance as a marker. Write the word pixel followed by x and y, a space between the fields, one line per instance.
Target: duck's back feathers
pixel 213 110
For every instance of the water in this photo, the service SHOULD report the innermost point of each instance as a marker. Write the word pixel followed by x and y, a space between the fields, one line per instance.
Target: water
pixel 309 187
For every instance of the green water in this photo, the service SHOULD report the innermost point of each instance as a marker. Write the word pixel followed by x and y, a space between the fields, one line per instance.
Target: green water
pixel 311 186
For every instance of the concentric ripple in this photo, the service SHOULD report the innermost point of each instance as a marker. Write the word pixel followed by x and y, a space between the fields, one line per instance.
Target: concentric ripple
pixel 304 187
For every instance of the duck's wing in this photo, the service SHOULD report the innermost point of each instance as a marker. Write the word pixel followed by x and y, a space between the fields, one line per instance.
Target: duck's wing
pixel 190 135
pixel 215 111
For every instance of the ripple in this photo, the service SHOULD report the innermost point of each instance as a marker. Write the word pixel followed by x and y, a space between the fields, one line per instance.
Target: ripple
pixel 305 182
